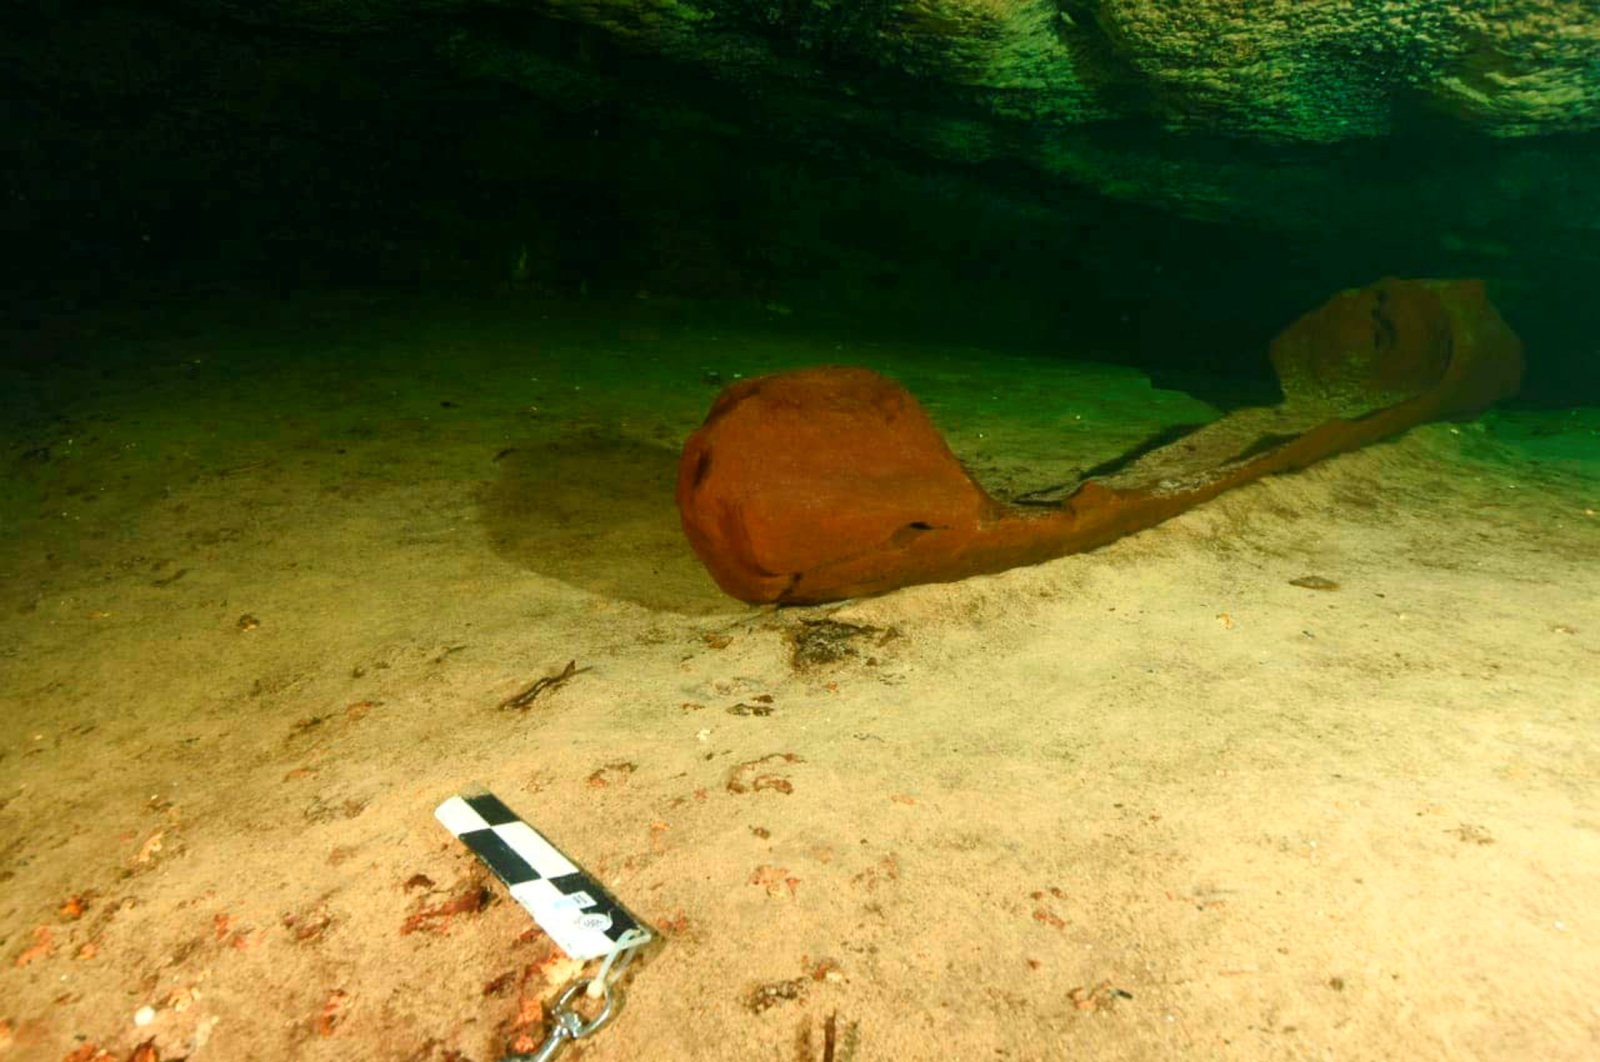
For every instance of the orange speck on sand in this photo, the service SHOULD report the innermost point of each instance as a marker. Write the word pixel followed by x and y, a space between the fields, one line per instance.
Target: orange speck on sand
pixel 359 709
pixel 527 1023
pixel 43 944
pixel 530 1011
pixel 774 879
pixel 332 1012
pixel 151 846
pixel 88 1053
pixel 677 922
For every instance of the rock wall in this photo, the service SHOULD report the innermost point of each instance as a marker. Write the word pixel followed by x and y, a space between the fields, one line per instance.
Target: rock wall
pixel 1127 169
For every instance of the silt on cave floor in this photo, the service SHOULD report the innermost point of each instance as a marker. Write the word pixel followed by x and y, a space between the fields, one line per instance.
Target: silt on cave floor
pixel 1309 771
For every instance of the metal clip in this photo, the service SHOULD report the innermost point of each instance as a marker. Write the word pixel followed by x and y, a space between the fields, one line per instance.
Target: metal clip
pixel 567 1024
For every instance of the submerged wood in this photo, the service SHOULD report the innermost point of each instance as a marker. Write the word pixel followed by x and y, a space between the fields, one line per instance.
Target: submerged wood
pixel 831 482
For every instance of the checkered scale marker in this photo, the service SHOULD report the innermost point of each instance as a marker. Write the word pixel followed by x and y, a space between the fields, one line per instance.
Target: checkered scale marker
pixel 582 918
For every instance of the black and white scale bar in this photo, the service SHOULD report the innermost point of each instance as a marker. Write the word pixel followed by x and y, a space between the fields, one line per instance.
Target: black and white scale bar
pixel 582 918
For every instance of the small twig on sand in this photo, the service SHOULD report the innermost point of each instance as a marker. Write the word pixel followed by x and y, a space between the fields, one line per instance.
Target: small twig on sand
pixel 523 699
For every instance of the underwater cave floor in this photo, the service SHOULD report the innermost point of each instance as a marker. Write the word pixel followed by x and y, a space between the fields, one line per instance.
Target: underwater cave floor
pixel 272 572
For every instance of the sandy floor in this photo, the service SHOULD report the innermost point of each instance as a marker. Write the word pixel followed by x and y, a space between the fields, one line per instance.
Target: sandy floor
pixel 271 574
